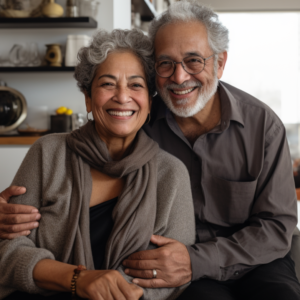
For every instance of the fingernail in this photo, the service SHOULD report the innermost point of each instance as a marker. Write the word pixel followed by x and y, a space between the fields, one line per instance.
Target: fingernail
pixel 35 210
pixel 38 217
pixel 135 281
pixel 126 271
pixel 27 232
pixel 19 188
pixel 36 224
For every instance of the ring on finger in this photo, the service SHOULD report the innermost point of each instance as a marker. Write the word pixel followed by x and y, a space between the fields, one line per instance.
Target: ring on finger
pixel 154 273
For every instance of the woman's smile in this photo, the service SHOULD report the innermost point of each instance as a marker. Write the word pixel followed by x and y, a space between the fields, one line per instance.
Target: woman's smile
pixel 120 114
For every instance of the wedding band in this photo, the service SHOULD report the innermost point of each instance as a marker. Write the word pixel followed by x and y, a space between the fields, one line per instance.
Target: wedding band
pixel 154 273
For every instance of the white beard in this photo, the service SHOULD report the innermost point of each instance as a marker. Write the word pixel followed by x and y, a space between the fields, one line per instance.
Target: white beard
pixel 186 110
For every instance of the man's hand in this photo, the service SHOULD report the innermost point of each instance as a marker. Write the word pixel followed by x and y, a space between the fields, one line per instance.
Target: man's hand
pixel 16 219
pixel 171 262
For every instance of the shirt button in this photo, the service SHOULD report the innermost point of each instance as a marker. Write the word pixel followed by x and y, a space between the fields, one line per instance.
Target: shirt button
pixel 236 273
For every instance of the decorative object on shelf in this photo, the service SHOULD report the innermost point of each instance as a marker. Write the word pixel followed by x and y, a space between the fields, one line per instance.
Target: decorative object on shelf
pixel 72 9
pixel 62 110
pixel 37 8
pixel 36 122
pixel 88 8
pixel 74 43
pixel 24 54
pixel 53 10
pixel 16 9
pixel 53 55
pixel 61 123
pixel 13 108
pixel 77 121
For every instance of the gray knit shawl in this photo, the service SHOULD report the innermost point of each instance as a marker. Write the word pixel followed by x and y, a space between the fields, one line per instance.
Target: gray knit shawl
pixel 135 212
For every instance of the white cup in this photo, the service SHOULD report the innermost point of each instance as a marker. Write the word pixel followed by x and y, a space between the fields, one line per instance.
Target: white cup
pixel 74 43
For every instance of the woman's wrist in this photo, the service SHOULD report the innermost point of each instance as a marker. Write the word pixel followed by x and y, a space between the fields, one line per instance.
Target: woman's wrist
pixel 76 273
pixel 53 275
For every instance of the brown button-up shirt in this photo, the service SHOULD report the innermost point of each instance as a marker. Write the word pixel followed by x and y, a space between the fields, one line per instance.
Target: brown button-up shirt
pixel 242 185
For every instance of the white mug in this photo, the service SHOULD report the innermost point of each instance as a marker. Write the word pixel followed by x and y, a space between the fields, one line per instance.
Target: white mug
pixel 74 43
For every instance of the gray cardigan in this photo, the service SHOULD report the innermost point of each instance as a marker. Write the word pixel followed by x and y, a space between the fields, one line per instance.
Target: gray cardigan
pixel 46 173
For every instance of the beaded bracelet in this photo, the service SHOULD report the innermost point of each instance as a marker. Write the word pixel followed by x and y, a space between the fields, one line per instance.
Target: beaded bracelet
pixel 74 278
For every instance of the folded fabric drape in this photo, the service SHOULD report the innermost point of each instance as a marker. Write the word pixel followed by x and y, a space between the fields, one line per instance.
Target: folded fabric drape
pixel 134 214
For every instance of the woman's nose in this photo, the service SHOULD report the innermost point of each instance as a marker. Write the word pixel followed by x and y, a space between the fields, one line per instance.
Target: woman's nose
pixel 122 95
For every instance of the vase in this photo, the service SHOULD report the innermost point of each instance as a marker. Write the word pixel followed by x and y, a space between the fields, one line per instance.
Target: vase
pixel 53 55
pixel 53 10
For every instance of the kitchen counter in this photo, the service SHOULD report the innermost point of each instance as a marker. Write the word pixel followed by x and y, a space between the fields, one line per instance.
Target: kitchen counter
pixel 18 140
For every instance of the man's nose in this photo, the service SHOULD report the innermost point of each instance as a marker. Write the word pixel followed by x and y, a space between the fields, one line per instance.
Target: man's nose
pixel 180 75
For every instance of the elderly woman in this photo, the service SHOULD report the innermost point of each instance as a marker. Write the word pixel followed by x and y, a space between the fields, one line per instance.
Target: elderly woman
pixel 102 190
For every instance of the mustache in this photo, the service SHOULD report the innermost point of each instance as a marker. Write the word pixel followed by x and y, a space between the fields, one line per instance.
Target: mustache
pixel 186 84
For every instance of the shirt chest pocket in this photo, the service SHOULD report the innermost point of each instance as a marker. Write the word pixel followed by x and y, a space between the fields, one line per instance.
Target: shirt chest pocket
pixel 227 202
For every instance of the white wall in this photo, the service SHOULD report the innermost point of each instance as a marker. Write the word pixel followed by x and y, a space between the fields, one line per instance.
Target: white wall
pixel 238 5
pixel 10 160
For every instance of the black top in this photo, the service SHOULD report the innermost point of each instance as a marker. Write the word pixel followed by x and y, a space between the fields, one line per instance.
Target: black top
pixel 101 224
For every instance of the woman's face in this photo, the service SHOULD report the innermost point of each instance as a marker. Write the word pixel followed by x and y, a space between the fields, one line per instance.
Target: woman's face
pixel 119 98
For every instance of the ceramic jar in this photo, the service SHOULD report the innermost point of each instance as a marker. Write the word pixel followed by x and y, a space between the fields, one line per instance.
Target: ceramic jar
pixel 53 55
pixel 53 10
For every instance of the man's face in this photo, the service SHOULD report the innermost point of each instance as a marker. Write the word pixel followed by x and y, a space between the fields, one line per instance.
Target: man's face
pixel 185 94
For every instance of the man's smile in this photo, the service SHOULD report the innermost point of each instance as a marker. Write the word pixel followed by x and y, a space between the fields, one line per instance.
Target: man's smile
pixel 183 92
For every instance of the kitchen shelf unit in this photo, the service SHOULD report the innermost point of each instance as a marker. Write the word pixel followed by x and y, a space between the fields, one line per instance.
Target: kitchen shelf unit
pixel 18 140
pixel 64 22
pixel 145 8
pixel 36 69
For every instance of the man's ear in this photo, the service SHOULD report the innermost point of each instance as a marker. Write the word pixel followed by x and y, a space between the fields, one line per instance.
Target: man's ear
pixel 222 58
pixel 88 102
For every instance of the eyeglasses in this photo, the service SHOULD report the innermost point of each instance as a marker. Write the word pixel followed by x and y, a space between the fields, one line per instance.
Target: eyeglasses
pixel 191 64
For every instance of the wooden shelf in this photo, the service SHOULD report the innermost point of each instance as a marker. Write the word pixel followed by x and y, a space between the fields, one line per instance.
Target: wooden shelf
pixel 78 22
pixel 18 140
pixel 37 69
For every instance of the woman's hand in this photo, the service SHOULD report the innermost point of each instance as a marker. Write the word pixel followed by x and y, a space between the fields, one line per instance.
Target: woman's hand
pixel 106 285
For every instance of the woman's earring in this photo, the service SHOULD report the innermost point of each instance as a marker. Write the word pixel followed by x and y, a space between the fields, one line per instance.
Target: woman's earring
pixel 148 119
pixel 87 117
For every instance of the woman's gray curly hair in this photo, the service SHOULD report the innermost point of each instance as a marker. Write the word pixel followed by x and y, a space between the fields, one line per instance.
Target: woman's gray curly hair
pixel 104 43
pixel 186 11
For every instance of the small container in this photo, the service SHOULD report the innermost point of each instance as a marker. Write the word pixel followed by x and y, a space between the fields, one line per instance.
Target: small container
pixel 72 9
pixel 74 43
pixel 61 123
pixel 53 55
pixel 89 8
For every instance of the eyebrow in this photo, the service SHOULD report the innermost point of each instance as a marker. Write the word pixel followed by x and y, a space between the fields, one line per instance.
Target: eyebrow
pixel 186 54
pixel 115 78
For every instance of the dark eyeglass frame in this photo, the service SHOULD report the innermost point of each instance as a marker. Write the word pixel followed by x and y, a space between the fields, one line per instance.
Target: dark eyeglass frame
pixel 181 62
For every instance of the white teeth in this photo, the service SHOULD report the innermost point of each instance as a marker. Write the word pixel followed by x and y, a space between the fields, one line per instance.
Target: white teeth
pixel 121 113
pixel 182 92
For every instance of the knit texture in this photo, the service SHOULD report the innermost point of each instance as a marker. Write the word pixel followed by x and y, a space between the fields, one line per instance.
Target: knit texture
pixel 48 174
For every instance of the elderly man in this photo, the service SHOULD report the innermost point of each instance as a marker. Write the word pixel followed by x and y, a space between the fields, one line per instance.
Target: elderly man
pixel 238 159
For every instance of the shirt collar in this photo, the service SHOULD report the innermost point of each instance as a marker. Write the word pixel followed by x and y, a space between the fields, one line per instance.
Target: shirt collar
pixel 231 110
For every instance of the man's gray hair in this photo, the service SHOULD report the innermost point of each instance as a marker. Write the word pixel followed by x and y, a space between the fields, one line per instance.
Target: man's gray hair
pixel 104 43
pixel 186 11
